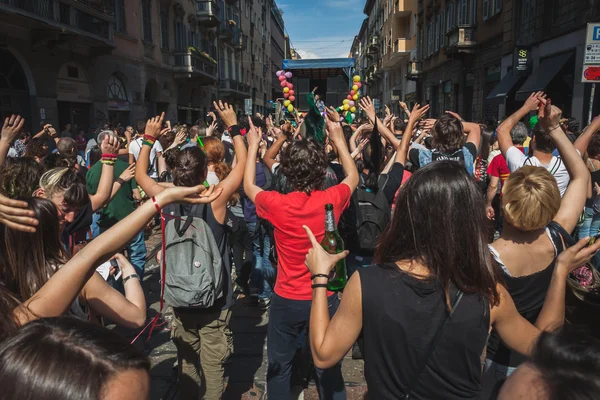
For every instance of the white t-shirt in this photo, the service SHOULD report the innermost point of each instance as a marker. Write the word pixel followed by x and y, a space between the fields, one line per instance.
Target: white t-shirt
pixel 516 159
pixel 136 146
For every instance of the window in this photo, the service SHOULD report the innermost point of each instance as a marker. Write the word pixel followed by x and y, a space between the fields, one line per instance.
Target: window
pixel 120 16
pixel 430 38
pixel 164 27
pixel 116 89
pixel 497 6
pixel 486 9
pixel 442 31
pixel 462 12
pixel 180 34
pixel 437 33
pixel 450 16
pixel 147 20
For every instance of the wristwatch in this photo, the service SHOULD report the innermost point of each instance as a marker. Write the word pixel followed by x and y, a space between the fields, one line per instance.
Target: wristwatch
pixel 131 276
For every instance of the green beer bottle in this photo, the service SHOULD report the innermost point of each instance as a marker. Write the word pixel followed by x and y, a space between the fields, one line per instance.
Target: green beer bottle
pixel 333 244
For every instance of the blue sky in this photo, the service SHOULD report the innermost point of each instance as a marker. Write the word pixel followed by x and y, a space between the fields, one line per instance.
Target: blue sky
pixel 322 29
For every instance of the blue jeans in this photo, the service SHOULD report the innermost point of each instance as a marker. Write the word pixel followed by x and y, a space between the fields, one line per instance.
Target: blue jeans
pixel 288 319
pixel 137 252
pixel 262 276
pixel 589 228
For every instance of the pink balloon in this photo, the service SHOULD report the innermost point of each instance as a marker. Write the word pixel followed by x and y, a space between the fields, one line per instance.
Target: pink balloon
pixel 288 75
pixel 349 97
pixel 358 84
pixel 278 73
pixel 281 78
pixel 286 95
pixel 283 83
pixel 352 93
pixel 291 92
pixel 290 85
pixel 351 103
pixel 292 98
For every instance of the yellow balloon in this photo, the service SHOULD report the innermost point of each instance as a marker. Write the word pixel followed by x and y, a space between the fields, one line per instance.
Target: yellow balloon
pixel 356 78
pixel 345 101
pixel 355 97
pixel 354 87
pixel 346 107
pixel 286 103
pixel 286 89
pixel 290 107
pixel 353 110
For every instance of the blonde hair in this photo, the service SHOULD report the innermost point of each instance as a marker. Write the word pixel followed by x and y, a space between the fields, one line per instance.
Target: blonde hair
pixel 50 181
pixel 530 198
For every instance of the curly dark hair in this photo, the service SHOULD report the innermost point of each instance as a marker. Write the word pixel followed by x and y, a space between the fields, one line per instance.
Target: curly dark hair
pixel 594 146
pixel 20 177
pixel 447 134
pixel 36 148
pixel 304 164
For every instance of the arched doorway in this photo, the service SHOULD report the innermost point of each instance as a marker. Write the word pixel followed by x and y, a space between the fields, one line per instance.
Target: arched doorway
pixel 118 101
pixel 14 90
pixel 74 97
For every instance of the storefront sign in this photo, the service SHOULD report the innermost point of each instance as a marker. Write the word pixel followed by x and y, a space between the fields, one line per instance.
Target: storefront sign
pixel 591 59
pixel 523 58
pixel 188 108
pixel 118 105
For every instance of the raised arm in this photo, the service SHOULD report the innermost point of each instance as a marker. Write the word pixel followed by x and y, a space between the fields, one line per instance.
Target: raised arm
pixel 250 187
pixel 369 108
pixel 582 142
pixel 110 145
pixel 10 132
pixel 57 295
pixel 336 135
pixel 574 198
pixel 504 139
pixel 126 176
pixel 153 130
pixel 269 157
pixel 471 129
pixel 233 181
pixel 417 113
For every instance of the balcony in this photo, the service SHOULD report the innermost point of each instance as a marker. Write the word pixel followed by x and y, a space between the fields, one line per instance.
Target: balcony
pixel 401 48
pixel 238 39
pixel 226 31
pixel 208 13
pixel 414 70
pixel 78 22
pixel 195 66
pixel 403 8
pixel 461 39
pixel 230 87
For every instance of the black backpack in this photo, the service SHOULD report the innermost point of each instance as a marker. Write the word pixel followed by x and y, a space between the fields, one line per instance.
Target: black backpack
pixel 365 219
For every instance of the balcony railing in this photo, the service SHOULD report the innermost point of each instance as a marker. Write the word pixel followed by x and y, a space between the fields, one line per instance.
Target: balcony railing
pixel 235 88
pixel 461 39
pixel 226 30
pixel 414 70
pixel 192 64
pixel 238 39
pixel 93 17
pixel 208 12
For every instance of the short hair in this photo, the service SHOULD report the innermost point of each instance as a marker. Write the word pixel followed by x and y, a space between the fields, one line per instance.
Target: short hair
pixel 36 148
pixel 67 147
pixel 543 140
pixel 530 198
pixel 399 125
pixel 68 181
pixel 141 127
pixel 304 164
pixel 53 350
pixel 519 133
pixel 194 132
pixel 447 134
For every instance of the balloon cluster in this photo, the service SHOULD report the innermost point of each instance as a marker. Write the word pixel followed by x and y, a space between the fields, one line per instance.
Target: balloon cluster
pixel 288 89
pixel 351 101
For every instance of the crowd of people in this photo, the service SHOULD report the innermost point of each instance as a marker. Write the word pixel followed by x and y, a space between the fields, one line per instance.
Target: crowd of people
pixel 460 240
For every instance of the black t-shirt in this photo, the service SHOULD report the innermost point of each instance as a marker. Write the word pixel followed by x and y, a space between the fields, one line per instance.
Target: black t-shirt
pixel 413 155
pixel 338 169
pixel 82 221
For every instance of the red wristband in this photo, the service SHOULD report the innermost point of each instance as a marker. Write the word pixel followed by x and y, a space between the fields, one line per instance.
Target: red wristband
pixel 156 204
pixel 109 156
pixel 149 137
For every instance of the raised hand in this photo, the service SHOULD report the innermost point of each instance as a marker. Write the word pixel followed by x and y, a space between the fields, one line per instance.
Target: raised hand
pixel 318 260
pixel 211 129
pixel 455 115
pixel 361 145
pixel 576 256
pixel 369 108
pixel 549 116
pixel 110 145
pixel 253 135
pixel 129 173
pixel 334 130
pixel 12 128
pixel 226 112
pixel 333 114
pixel 154 126
pixel 193 195
pixel 388 113
pixel 419 112
pixel 180 138
pixel 534 101
pixel 16 215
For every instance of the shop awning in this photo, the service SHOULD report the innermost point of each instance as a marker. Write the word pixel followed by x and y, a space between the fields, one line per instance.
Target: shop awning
pixel 542 76
pixel 507 85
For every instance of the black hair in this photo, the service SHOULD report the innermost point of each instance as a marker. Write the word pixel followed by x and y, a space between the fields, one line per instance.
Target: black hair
pixel 487 136
pixel 95 155
pixel 259 123
pixel 399 125
pixel 20 177
pixel 373 155
pixel 453 245
pixel 304 164
pixel 189 168
pixel 347 129
pixel 140 126
pixel 64 358
pixel 543 140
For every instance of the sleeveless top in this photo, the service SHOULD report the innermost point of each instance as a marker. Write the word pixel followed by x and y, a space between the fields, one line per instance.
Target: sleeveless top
pixel 401 315
pixel 528 293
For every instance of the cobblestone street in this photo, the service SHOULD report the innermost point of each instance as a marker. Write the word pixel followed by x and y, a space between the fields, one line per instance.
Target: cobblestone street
pixel 246 371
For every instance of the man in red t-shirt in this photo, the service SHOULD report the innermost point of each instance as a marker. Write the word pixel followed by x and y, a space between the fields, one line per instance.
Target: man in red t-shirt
pixel 498 172
pixel 304 164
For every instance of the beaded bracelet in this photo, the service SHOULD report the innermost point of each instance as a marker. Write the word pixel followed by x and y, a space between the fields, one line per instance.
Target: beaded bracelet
pixel 150 138
pixel 148 143
pixel 107 162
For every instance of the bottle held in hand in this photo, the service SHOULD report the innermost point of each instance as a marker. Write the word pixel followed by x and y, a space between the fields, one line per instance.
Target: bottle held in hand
pixel 333 244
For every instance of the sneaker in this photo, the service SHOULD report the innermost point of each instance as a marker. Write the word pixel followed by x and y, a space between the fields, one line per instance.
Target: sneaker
pixel 264 304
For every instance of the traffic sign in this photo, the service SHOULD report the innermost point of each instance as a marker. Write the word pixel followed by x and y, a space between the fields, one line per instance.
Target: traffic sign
pixel 591 59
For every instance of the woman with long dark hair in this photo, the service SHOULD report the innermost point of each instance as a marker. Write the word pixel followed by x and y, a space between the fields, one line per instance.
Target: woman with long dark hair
pixel 427 306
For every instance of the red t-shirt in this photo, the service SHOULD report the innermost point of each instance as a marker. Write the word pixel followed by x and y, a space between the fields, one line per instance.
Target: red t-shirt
pixel 499 169
pixel 287 213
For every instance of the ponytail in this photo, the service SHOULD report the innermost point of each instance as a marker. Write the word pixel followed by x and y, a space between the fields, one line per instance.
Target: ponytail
pixel 373 158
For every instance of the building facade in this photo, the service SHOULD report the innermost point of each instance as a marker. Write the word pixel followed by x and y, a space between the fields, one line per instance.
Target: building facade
pixel 92 62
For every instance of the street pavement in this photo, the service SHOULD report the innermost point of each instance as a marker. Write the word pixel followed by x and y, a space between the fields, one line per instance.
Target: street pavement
pixel 246 371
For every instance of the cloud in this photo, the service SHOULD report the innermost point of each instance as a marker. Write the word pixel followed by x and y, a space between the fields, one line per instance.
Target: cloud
pixel 307 54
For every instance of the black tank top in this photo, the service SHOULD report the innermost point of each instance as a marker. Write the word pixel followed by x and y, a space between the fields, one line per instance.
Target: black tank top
pixel 401 315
